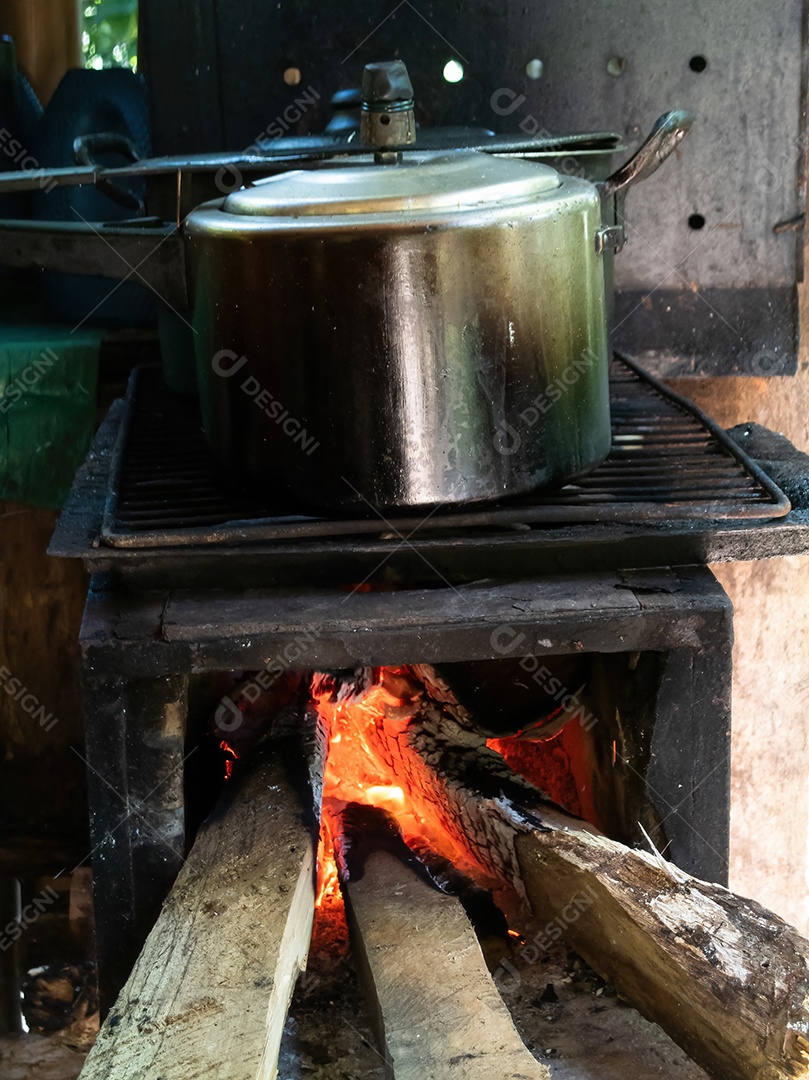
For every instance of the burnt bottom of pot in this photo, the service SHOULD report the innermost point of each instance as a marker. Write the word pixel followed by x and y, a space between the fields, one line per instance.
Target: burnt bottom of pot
pixel 273 494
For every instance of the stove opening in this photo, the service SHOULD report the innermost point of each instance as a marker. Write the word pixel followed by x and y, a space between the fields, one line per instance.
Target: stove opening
pixel 579 728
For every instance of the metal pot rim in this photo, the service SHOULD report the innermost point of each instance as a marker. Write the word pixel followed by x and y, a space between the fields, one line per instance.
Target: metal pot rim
pixel 419 182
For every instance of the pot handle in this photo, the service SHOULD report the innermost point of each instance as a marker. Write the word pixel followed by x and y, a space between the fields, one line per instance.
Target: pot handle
pixel 666 135
pixel 85 147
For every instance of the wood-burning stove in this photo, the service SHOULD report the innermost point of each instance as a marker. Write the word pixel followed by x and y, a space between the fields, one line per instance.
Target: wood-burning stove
pixel 658 642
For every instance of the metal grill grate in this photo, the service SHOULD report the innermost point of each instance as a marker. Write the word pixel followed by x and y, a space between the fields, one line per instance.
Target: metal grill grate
pixel 668 462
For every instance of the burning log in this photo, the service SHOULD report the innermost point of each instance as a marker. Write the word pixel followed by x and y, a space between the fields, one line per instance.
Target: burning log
pixel 726 979
pixel 209 994
pixel 435 1005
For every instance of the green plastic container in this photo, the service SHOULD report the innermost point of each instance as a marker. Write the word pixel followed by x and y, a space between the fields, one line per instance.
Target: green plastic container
pixel 48 378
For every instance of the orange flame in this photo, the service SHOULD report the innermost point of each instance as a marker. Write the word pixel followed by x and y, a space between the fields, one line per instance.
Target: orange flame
pixel 544 763
pixel 357 771
pixel 328 885
pixel 389 796
pixel 230 757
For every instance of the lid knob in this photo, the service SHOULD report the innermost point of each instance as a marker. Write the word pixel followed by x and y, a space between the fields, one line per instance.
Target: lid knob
pixel 388 119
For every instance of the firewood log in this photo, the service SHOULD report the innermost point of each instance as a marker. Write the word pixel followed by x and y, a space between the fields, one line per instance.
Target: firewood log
pixel 725 978
pixel 437 1011
pixel 209 994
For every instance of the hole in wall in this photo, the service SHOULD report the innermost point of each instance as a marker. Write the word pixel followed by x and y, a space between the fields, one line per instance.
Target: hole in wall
pixel 616 65
pixel 697 63
pixel 696 221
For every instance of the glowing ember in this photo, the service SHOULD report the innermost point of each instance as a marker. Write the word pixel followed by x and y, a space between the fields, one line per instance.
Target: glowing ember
pixel 230 757
pixel 356 771
pixel 545 764
pixel 391 797
pixel 328 886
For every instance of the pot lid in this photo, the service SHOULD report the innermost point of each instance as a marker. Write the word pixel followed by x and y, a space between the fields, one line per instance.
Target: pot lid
pixel 460 180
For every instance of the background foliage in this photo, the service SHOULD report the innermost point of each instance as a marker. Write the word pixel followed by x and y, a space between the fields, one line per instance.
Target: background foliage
pixel 110 33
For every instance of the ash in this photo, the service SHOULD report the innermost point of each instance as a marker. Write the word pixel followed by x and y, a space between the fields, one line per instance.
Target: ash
pixel 328 1033
pixel 574 1022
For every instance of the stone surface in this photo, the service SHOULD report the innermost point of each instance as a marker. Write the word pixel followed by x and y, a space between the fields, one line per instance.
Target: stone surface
pixel 770 782
pixel 769 837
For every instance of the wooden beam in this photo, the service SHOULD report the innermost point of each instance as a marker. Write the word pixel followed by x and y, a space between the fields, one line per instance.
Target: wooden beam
pixel 209 994
pixel 47 38
pixel 436 1009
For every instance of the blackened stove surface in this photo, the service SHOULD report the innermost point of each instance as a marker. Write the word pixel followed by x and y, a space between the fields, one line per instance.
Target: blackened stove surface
pixel 668 462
